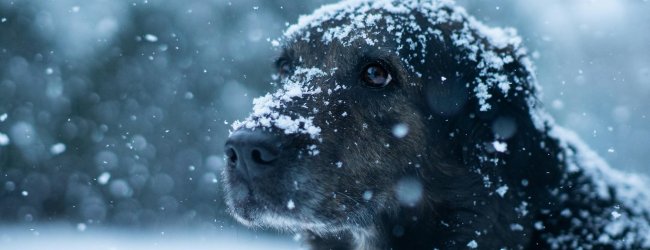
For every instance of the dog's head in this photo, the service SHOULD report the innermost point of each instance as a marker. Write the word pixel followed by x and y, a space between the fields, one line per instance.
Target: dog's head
pixel 378 103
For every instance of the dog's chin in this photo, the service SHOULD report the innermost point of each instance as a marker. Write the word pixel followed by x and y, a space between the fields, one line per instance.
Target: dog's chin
pixel 251 214
pixel 250 211
pixel 252 207
pixel 291 223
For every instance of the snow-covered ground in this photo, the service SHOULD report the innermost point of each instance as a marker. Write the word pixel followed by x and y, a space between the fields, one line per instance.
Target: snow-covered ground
pixel 67 237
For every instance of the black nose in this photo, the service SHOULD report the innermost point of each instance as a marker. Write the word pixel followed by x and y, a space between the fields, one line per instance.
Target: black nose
pixel 252 153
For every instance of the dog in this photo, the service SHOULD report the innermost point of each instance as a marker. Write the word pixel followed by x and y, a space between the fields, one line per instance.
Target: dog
pixel 411 125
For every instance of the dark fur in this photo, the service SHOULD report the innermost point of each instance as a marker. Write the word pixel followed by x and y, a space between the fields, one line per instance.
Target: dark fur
pixel 446 134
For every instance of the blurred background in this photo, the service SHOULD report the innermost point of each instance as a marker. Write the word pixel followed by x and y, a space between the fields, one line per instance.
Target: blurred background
pixel 113 113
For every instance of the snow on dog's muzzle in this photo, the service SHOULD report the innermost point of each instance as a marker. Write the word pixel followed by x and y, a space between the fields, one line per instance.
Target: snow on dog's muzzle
pixel 273 112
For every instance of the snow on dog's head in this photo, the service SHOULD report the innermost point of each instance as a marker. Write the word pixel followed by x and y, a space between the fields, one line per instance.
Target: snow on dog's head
pixel 374 95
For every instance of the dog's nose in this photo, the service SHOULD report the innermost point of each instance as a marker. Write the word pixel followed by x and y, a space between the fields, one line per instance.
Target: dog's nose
pixel 252 153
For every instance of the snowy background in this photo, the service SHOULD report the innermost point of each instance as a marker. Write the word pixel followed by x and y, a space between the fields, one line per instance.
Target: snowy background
pixel 113 113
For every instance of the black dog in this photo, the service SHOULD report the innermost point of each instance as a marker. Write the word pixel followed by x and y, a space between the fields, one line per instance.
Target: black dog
pixel 410 125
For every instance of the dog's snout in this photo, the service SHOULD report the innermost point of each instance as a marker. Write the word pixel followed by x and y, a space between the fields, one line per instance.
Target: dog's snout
pixel 252 153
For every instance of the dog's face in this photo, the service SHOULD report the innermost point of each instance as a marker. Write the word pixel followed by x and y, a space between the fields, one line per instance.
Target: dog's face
pixel 366 99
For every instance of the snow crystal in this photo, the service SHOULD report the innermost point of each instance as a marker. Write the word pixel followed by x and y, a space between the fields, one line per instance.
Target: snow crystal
pixel 120 188
pixel 616 214
pixel 313 150
pixel 3 117
pixel 502 190
pixel 3 20
pixel 339 164
pixel 500 146
pixel 367 195
pixel 57 148
pixel 566 212
pixel 400 130
pixel 4 140
pixel 522 208
pixel 81 227
pixel 472 244
pixel 23 134
pixel 516 227
pixel 103 178
pixel 24 193
pixel 409 191
pixel 291 205
pixel 151 38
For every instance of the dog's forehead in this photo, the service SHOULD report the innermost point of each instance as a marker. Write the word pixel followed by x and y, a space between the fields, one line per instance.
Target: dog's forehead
pixel 412 25
pixel 343 37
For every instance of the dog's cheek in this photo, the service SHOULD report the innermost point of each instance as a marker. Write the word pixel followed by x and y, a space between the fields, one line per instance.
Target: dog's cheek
pixel 308 184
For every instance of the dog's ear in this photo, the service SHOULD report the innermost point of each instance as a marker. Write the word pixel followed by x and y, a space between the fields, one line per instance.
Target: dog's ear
pixel 503 140
pixel 448 75
pixel 460 88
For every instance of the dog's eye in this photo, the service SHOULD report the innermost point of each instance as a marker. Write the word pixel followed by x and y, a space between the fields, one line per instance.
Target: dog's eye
pixel 376 76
